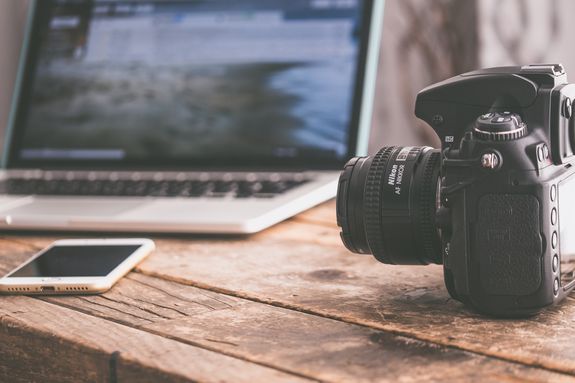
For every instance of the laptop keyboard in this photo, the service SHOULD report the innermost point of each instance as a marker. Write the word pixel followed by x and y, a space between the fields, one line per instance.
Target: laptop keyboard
pixel 152 188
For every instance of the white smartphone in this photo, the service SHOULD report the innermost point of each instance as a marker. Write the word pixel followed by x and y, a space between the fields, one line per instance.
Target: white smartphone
pixel 77 266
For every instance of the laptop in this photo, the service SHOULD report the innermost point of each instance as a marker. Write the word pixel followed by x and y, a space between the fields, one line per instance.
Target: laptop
pixel 186 116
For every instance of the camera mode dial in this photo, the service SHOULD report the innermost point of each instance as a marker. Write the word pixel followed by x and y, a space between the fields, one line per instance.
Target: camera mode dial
pixel 500 126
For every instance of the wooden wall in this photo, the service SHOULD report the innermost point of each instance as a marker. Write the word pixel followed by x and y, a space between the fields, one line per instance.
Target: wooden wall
pixel 519 32
pixel 424 41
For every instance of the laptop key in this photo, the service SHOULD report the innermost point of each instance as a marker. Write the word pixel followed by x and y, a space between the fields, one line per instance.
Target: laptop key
pixel 91 188
pixel 224 187
pixel 135 189
pixel 143 188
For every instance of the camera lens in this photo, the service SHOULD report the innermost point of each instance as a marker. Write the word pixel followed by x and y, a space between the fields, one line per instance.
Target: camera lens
pixel 386 205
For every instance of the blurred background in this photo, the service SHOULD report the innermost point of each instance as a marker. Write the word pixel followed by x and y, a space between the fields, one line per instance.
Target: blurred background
pixel 424 41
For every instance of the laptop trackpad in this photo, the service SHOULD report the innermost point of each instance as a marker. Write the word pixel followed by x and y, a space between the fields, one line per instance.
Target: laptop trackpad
pixel 72 209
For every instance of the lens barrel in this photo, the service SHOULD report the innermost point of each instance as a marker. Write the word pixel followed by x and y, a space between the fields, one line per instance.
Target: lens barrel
pixel 386 205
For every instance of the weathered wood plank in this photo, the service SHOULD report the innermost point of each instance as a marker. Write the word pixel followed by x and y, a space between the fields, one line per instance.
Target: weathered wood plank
pixel 297 231
pixel 317 347
pixel 313 273
pixel 144 300
pixel 323 214
pixel 43 342
pixel 331 282
pixel 12 254
pixel 27 355
pixel 292 341
pixel 141 300
pixel 288 340
pixel 334 351
pixel 305 268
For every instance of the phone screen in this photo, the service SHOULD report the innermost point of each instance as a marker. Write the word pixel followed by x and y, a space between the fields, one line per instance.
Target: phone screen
pixel 76 261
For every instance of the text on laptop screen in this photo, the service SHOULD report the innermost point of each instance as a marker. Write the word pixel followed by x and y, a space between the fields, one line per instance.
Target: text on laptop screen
pixel 168 81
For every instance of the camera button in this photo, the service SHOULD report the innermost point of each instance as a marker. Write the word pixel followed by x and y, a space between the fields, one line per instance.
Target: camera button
pixel 554 216
pixel 540 155
pixel 490 161
pixel 437 120
pixel 553 193
pixel 554 240
pixel 567 108
pixel 555 263
pixel 556 286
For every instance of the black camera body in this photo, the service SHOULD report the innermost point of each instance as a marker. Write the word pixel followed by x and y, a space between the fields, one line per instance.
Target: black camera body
pixel 495 206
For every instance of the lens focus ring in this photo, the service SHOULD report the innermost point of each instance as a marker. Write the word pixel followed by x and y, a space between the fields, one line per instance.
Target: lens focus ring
pixel 372 200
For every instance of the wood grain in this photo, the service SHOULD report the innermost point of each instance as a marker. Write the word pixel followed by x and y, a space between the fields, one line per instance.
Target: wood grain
pixel 43 342
pixel 140 300
pixel 334 351
pixel 287 340
pixel 300 265
pixel 323 215
pixel 411 301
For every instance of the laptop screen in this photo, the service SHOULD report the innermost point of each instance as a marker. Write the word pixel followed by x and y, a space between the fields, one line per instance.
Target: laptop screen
pixel 191 83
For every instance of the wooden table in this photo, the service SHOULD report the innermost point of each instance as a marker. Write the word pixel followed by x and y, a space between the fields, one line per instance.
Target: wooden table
pixel 290 304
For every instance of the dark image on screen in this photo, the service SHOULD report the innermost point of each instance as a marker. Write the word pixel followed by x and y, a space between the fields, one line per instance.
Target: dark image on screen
pixel 136 80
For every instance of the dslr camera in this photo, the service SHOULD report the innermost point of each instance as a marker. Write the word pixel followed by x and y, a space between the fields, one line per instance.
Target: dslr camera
pixel 495 206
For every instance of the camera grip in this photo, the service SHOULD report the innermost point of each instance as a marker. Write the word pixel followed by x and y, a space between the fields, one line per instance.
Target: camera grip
pixel 508 244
